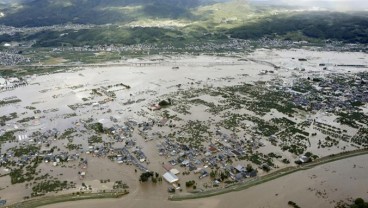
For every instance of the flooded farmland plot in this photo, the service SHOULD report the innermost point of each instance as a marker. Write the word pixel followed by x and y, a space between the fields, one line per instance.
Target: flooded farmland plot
pixel 184 125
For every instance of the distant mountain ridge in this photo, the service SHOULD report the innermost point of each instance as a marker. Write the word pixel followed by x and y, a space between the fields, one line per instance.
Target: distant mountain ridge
pixel 175 22
pixel 51 12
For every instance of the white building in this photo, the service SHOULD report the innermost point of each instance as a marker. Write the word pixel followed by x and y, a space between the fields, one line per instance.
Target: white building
pixel 2 81
pixel 171 178
pixel 13 79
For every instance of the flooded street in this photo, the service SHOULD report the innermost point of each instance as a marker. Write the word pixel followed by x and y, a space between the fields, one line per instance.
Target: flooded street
pixel 215 123
pixel 321 186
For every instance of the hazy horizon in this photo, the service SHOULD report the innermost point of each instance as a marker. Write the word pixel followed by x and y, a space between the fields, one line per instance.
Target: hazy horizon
pixel 341 5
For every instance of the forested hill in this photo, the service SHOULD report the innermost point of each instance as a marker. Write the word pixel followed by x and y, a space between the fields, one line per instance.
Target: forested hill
pixel 51 12
pixel 347 27
pixel 173 21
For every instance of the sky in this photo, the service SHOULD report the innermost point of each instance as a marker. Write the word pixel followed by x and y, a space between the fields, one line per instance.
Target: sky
pixel 341 5
pixel 330 4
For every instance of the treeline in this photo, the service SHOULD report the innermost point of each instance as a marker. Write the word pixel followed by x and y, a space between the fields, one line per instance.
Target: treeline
pixel 346 27
pixel 113 35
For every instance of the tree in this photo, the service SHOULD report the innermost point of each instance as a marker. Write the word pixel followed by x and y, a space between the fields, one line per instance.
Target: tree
pixel 164 103
pixel 359 202
pixel 249 168
pixel 308 154
pixel 145 176
pixel 224 175
pixel 213 174
pixel 189 183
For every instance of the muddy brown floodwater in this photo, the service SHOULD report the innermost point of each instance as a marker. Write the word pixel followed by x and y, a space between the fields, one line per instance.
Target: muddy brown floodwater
pixel 321 186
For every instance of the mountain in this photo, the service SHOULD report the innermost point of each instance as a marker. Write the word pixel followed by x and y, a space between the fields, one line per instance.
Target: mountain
pixel 51 12
pixel 176 22
pixel 347 27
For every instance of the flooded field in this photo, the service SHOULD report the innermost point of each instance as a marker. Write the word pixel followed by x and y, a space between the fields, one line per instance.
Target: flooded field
pixel 322 186
pixel 215 120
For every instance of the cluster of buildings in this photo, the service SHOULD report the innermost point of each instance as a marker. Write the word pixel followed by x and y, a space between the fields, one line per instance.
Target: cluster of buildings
pixel 9 30
pixel 224 150
pixel 334 92
pixel 135 157
pixel 8 58
pixel 229 45
pixel 202 160
pixel 12 82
